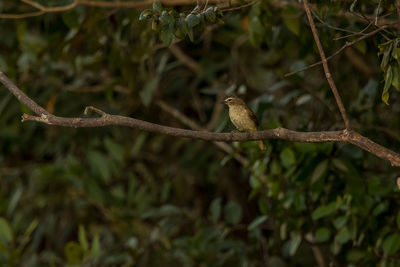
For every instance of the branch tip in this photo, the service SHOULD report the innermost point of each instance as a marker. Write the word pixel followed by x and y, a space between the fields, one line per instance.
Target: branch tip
pixel 96 110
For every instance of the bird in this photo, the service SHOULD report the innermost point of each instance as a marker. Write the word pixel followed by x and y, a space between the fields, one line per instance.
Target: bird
pixel 242 117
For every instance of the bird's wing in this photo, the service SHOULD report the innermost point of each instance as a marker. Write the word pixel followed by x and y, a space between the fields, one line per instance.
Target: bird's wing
pixel 252 116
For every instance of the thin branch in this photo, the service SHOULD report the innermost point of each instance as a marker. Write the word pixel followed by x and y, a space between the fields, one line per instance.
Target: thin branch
pixel 103 4
pixel 240 7
pixel 185 59
pixel 355 34
pixel 326 67
pixel 318 255
pixel 360 63
pixel 348 44
pixel 347 135
pixel 398 15
pixel 334 27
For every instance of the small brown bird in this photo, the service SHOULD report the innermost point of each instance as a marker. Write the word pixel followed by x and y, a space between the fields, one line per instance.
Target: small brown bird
pixel 242 117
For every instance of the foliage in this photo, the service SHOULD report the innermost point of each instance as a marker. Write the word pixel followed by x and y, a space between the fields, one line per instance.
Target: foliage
pixel 170 23
pixel 117 197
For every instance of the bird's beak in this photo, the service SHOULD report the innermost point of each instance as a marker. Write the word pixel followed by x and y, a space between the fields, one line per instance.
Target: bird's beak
pixel 222 102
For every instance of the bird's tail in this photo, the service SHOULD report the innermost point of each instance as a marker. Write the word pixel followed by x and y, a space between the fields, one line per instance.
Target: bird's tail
pixel 260 143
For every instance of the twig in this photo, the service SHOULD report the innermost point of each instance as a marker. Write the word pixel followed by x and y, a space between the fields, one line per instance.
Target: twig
pixel 359 62
pixel 178 53
pixel 355 34
pixel 326 67
pixel 216 114
pixel 348 44
pixel 240 7
pixel 398 15
pixel 316 250
pixel 102 4
pixel 347 135
pixel 334 27
pixel 377 13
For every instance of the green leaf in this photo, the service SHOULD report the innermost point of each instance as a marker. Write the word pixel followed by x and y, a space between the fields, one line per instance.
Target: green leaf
pixel 181 28
pixel 381 207
pixel 361 46
pixel 319 171
pixel 355 255
pixel 322 235
pixel 398 219
pixel 99 164
pixel 291 20
pixel 388 82
pixel 295 241
pixel 215 209
pixel 74 253
pixel 95 251
pixel 340 222
pixel 210 15
pixel 147 13
pixel 323 211
pixel 387 49
pixel 287 157
pixel 391 244
pixel 305 147
pixel 396 53
pixel 166 35
pixel 232 213
pixel 396 76
pixel 6 234
pixel 32 226
pixel 275 167
pixel 82 238
pixel 149 88
pixel 256 222
pixel 343 236
pixel 256 31
pixel 190 34
pixel 71 18
pixel 192 20
pixel 14 199
pixel 166 18
pixel 116 150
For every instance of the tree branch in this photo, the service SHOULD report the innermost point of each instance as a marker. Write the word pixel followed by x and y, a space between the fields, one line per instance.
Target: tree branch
pixel 347 135
pixel 348 44
pixel 110 4
pixel 326 67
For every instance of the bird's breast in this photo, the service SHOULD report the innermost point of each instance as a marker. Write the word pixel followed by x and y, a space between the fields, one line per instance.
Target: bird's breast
pixel 241 119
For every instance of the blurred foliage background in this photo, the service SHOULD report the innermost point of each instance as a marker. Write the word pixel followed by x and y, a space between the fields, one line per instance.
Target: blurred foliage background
pixel 120 197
